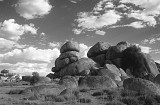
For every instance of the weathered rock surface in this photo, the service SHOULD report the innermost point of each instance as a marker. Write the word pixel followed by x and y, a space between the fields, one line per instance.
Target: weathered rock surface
pixel 70 82
pixel 98 49
pixel 100 59
pixel 96 82
pixel 121 46
pixel 117 62
pixel 44 79
pixel 70 46
pixel 113 53
pixel 50 75
pixel 113 69
pixel 141 85
pixel 157 79
pixel 109 73
pixel 69 54
pixel 61 63
pixel 152 65
pixel 77 67
pixel 140 64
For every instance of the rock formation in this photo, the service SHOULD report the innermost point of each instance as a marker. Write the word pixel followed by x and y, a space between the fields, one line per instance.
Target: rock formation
pixel 106 65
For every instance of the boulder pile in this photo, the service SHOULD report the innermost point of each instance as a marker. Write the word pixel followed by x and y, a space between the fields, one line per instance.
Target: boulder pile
pixel 106 65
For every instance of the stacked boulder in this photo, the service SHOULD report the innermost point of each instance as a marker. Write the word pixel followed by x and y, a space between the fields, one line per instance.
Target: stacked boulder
pixel 69 54
pixel 70 63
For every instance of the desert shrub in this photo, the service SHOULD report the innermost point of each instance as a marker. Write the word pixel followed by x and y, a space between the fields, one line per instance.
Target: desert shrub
pixel 34 97
pixel 55 98
pixel 115 103
pixel 157 98
pixel 60 99
pixel 15 91
pixel 83 100
pixel 30 103
pixel 97 94
pixel 125 93
pixel 147 100
pixel 84 90
pixel 130 101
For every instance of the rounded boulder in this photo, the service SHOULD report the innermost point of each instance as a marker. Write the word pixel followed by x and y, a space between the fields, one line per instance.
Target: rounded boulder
pixel 70 46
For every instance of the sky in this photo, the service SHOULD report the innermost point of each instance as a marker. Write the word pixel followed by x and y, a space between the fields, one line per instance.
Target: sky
pixel 32 31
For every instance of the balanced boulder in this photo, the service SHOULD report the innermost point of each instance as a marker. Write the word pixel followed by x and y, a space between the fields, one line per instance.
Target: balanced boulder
pixel 97 49
pixel 70 46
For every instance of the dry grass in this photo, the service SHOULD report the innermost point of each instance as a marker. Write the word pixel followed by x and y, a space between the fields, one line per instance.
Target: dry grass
pixel 49 95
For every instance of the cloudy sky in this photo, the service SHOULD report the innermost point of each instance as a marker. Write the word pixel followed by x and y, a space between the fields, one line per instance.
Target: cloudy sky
pixel 32 31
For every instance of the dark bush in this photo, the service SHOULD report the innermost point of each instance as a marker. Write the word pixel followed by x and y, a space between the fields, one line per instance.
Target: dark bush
pixel 83 100
pixel 130 101
pixel 34 80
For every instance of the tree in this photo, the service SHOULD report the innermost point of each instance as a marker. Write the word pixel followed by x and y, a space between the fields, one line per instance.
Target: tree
pixel 35 74
pixel 5 72
pixel 35 78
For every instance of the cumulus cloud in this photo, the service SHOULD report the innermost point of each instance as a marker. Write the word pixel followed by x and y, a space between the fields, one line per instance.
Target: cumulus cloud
pixel 54 44
pixel 158 61
pixel 88 21
pixel 24 68
pixel 6 43
pixel 75 1
pixel 145 49
pixel 29 59
pixel 31 9
pixel 99 32
pixel 30 54
pixel 109 14
pixel 152 40
pixel 83 50
pixel 11 30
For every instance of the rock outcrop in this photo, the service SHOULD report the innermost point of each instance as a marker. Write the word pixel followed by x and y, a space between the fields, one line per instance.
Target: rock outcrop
pixel 106 66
